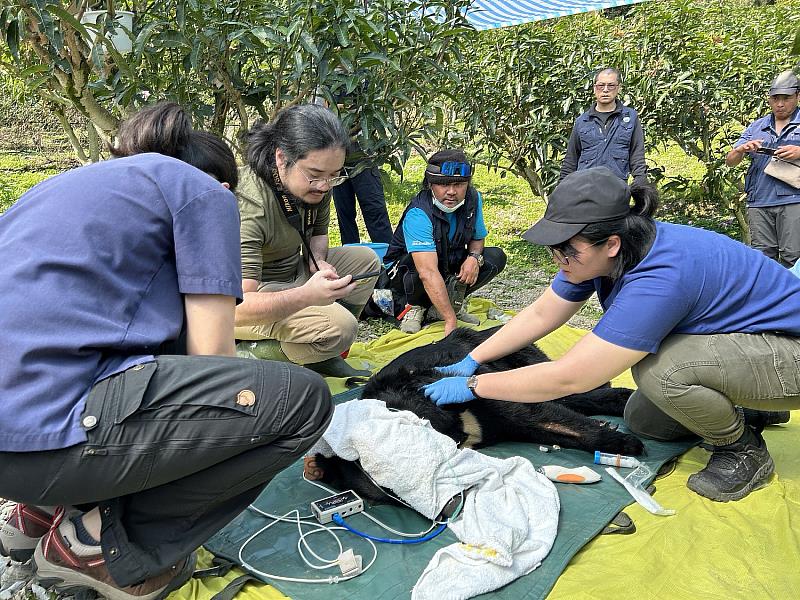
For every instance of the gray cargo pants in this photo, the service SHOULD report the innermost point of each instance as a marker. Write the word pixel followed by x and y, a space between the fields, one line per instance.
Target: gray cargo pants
pixel 176 449
pixel 775 231
pixel 691 386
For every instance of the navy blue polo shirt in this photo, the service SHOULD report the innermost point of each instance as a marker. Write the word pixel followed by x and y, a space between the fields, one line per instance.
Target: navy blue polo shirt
pixel 692 281
pixel 95 263
pixel 762 189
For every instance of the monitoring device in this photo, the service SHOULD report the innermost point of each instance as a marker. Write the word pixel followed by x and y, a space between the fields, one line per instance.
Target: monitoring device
pixel 345 503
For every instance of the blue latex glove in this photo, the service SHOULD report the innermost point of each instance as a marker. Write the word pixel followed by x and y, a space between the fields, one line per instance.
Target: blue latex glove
pixel 466 367
pixel 450 390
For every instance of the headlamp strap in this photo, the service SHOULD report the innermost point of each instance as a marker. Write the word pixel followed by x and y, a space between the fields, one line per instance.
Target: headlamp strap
pixel 451 168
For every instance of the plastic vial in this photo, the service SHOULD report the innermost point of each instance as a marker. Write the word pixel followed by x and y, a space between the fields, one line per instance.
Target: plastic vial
pixel 615 460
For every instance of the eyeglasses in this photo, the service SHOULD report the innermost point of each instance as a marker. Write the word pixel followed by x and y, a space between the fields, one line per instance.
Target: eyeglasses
pixel 451 168
pixel 318 181
pixel 560 257
pixel 606 86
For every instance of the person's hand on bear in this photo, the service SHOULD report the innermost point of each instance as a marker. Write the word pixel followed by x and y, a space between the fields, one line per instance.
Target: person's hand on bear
pixel 463 368
pixel 450 390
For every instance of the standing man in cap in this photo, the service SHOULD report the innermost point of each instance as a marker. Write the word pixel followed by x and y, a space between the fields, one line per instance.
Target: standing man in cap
pixel 773 206
pixel 437 255
pixel 609 134
pixel 706 324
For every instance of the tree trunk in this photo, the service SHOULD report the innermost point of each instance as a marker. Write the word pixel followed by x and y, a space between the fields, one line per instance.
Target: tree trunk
pixel 741 217
pixel 94 142
pixel 70 131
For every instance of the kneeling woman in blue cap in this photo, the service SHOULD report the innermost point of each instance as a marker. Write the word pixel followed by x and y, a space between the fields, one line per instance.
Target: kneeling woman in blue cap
pixel 705 322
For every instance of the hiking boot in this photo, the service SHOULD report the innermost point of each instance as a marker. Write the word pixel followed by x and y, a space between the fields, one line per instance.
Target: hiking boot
pixel 464 316
pixel 758 419
pixel 62 560
pixel 412 320
pixel 456 292
pixel 21 532
pixel 337 367
pixel 735 470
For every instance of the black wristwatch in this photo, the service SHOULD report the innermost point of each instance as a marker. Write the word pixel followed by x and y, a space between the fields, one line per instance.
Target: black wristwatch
pixel 472 383
pixel 478 256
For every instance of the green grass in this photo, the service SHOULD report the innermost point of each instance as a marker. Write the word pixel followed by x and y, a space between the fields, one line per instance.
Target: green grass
pixel 509 209
pixel 510 206
pixel 21 171
pixel 676 163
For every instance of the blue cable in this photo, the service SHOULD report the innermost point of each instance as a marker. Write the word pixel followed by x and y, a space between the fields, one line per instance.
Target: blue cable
pixel 337 518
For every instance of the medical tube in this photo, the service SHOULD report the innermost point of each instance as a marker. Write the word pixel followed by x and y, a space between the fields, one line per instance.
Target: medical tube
pixel 615 460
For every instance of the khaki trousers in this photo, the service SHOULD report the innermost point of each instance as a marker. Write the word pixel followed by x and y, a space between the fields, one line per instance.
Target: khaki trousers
pixel 317 333
pixel 692 385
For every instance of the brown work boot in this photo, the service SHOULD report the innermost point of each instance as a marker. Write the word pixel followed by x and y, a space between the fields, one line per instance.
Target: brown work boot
pixel 61 560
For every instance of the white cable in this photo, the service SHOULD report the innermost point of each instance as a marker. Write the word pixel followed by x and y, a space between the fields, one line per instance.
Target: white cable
pixel 317 529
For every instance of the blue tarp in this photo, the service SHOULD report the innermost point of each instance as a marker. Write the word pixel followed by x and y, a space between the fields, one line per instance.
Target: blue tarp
pixel 490 14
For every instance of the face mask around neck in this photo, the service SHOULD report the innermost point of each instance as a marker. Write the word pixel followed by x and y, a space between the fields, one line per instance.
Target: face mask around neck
pixel 445 208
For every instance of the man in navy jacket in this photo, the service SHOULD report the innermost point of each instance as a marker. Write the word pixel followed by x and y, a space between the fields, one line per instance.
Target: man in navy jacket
pixel 609 134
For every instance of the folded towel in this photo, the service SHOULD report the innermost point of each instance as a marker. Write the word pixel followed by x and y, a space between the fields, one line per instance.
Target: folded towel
pixel 510 515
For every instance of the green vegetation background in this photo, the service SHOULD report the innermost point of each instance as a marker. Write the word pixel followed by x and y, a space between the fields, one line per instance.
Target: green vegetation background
pixel 510 206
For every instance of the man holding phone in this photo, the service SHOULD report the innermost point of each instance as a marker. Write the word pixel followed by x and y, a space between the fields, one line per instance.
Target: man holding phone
pixel 773 206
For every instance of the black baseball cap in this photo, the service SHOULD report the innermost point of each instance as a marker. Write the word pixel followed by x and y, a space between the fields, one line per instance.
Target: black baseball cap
pixel 589 196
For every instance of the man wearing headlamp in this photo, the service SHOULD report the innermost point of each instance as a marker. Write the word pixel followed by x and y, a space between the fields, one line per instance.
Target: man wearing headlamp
pixel 437 255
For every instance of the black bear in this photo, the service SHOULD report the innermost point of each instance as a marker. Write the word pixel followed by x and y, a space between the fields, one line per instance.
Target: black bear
pixel 483 422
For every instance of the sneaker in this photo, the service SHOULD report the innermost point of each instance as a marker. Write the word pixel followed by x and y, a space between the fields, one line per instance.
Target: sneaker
pixel 21 532
pixel 412 320
pixel 61 560
pixel 735 470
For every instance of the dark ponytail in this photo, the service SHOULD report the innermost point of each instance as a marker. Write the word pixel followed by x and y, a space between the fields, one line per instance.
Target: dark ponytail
pixel 166 129
pixel 636 232
pixel 297 131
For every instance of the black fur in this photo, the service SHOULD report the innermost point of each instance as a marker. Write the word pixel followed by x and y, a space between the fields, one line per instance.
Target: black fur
pixel 563 422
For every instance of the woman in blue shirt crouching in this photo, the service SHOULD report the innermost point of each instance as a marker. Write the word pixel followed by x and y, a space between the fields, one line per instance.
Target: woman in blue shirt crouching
pixel 706 324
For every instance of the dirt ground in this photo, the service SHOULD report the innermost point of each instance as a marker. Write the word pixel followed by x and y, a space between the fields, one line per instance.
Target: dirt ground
pixel 513 289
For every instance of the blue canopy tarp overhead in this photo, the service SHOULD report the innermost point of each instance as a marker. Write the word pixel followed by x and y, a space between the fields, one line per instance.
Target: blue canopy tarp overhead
pixel 490 14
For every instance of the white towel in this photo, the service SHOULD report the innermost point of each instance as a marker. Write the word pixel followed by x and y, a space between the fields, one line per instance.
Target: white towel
pixel 510 515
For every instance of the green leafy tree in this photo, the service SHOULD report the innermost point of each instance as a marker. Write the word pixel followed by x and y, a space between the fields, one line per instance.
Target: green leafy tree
pixel 232 61
pixel 704 68
pixel 695 70
pixel 521 88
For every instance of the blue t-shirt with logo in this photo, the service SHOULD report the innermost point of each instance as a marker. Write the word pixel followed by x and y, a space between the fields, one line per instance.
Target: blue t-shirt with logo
pixel 692 281
pixel 94 266
pixel 418 229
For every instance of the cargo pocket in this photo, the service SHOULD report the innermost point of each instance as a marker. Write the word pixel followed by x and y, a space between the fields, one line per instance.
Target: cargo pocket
pixel 131 388
pixel 786 360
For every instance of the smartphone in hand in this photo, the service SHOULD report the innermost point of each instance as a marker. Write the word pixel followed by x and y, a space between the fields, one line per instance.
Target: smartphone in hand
pixel 766 150
pixel 366 275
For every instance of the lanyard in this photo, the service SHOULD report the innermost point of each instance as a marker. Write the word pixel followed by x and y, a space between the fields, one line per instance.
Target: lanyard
pixel 292 213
